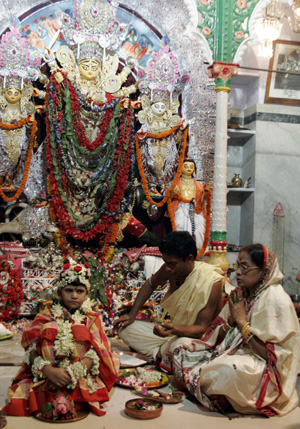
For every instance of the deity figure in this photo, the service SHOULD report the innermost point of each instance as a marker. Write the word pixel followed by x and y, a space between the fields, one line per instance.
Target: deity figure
pixel 159 151
pixel 89 124
pixel 189 209
pixel 160 139
pixel 17 122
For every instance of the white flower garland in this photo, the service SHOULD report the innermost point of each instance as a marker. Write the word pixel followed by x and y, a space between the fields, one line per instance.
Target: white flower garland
pixel 37 368
pixel 26 358
pixel 91 354
pixel 76 371
pixel 64 346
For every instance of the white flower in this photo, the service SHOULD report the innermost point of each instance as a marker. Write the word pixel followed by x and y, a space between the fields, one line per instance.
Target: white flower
pixel 78 317
pixel 4 276
pixel 87 305
pixel 64 340
pixel 57 311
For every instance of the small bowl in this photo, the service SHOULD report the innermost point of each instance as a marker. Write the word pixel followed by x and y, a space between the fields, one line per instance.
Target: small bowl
pixel 143 414
pixel 295 298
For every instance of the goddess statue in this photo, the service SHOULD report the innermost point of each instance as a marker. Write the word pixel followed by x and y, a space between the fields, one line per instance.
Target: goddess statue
pixel 160 136
pixel 190 207
pixel 159 155
pixel 16 113
pixel 89 124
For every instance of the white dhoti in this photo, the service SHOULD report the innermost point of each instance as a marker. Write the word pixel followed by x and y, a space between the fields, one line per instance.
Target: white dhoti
pixel 140 337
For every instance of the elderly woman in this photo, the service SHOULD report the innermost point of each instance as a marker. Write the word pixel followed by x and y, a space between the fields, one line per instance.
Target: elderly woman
pixel 249 364
pixel 68 363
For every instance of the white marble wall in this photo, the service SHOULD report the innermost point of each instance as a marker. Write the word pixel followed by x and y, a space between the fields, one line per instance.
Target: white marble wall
pixel 273 157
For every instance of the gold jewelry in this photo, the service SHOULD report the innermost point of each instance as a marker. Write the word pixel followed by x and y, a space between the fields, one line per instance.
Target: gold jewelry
pixel 245 331
pixel 227 326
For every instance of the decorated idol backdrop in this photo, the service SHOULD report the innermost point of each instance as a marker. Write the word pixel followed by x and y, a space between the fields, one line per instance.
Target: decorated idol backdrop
pixel 106 131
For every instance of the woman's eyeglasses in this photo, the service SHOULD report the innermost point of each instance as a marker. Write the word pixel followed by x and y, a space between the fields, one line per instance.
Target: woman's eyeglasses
pixel 244 269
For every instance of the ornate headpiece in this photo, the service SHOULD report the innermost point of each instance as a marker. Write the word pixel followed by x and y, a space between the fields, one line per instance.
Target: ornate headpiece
pixel 162 76
pixel 95 22
pixel 89 50
pixel 15 59
pixel 74 272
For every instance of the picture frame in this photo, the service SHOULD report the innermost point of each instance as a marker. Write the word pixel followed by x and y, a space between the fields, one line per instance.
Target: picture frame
pixel 284 88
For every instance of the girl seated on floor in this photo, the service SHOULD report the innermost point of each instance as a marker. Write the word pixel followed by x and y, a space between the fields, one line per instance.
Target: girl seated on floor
pixel 68 364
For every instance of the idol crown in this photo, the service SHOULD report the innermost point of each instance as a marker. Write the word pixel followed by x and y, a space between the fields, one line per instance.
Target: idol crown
pixel 89 50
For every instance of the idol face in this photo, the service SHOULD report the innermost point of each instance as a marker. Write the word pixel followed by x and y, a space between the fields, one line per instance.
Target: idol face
pixel 89 69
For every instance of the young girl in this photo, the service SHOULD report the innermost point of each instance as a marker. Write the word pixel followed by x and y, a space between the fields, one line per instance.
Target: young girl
pixel 68 356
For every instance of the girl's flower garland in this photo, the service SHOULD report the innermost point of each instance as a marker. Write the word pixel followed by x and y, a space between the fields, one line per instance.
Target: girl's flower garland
pixel 207 198
pixel 28 160
pixel 102 226
pixel 167 196
pixel 11 291
pixel 64 347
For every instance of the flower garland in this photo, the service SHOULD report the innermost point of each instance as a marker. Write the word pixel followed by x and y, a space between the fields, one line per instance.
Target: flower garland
pixel 11 291
pixel 167 196
pixel 207 198
pixel 28 160
pixel 57 144
pixel 64 347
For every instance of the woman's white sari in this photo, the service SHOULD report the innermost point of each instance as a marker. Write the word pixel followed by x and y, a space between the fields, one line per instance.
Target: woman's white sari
pixel 250 383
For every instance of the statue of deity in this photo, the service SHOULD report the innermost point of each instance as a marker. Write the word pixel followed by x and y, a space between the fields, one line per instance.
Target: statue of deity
pixel 17 121
pixel 189 209
pixel 160 138
pixel 159 152
pixel 89 129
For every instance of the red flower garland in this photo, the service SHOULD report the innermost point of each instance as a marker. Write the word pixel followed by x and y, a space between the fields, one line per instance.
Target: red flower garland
pixel 11 291
pixel 105 226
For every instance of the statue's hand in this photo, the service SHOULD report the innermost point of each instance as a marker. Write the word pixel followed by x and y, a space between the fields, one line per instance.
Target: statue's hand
pixel 58 77
pixel 175 190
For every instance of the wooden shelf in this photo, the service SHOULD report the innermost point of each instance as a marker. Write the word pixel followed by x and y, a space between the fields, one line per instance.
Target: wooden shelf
pixel 239 137
pixel 236 196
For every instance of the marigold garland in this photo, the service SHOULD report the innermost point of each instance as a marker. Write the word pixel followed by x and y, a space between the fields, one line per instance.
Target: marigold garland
pixel 27 164
pixel 13 126
pixel 207 199
pixel 167 196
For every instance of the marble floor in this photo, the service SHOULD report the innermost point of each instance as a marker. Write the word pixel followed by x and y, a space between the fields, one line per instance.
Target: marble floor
pixel 187 413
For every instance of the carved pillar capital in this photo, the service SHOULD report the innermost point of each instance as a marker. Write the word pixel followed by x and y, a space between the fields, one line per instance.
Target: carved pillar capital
pixel 222 73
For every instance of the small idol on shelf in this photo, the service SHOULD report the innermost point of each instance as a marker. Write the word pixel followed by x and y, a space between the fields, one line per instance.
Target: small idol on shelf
pixel 189 209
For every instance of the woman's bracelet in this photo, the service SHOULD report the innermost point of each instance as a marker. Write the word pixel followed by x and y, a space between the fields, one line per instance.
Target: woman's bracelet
pixel 245 331
pixel 227 326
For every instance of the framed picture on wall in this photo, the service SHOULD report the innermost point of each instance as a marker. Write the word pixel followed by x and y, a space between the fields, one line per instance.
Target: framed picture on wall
pixel 284 87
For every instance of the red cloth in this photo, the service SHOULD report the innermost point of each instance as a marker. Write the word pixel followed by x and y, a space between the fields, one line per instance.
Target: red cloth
pixel 26 397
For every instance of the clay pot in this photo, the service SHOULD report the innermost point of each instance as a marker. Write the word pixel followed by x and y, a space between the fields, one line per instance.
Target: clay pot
pixel 143 414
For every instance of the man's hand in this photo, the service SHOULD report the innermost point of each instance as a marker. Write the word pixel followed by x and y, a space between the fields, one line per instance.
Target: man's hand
pixel 123 322
pixel 163 329
pixel 57 376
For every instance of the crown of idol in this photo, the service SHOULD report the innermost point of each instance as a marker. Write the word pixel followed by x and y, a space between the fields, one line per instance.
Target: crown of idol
pixel 15 66
pixel 162 80
pixel 94 20
pixel 89 50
